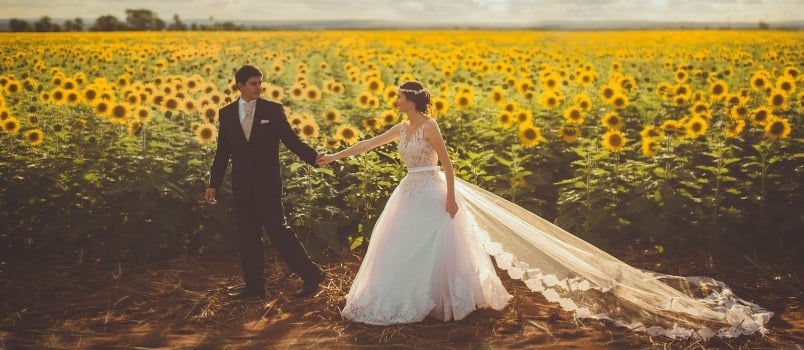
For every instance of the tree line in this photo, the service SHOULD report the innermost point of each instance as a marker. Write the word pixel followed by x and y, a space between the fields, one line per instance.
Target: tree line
pixel 136 20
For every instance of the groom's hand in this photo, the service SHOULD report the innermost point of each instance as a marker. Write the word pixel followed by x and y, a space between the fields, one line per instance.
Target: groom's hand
pixel 318 160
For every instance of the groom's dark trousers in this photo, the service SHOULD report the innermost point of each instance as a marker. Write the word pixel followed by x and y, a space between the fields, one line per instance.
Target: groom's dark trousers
pixel 257 187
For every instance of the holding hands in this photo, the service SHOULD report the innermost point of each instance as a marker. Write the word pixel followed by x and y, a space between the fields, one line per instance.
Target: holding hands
pixel 324 159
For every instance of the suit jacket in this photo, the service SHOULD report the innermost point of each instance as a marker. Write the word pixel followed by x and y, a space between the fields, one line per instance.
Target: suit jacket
pixel 255 163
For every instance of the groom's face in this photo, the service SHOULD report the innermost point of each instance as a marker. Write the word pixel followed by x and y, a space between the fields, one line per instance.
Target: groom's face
pixel 252 89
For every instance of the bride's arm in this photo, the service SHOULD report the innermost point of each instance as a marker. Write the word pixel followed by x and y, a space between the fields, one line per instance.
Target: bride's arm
pixel 365 145
pixel 433 134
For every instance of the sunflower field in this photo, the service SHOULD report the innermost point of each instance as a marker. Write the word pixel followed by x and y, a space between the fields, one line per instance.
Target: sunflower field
pixel 673 139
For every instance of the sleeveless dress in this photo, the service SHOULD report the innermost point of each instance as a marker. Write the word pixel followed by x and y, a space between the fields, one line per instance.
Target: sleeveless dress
pixel 422 262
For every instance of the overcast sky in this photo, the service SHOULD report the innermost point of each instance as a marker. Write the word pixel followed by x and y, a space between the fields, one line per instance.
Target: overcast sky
pixel 426 11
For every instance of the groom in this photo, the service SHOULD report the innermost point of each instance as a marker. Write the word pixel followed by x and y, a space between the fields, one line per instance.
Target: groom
pixel 249 135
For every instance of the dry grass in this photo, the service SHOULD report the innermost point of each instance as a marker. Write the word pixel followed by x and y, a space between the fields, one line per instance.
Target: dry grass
pixel 182 303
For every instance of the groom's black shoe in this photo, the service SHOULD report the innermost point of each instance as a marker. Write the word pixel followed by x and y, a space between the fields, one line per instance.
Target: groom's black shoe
pixel 246 293
pixel 310 286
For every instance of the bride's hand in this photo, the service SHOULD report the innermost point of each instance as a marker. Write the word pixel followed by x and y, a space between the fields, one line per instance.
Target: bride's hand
pixel 325 159
pixel 452 208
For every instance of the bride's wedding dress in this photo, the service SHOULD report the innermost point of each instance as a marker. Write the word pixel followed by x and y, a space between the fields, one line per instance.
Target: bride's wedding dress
pixel 421 262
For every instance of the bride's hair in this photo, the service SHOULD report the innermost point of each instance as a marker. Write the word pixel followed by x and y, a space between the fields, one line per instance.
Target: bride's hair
pixel 415 91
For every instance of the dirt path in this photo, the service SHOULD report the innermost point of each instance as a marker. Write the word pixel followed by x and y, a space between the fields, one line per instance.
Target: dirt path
pixel 181 303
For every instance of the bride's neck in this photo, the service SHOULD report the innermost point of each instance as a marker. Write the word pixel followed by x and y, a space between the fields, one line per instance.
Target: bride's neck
pixel 416 117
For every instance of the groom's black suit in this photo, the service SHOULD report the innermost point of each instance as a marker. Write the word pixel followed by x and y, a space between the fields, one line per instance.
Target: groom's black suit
pixel 257 187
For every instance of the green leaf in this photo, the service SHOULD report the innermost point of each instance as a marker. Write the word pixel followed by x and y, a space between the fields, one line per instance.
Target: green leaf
pixel 355 243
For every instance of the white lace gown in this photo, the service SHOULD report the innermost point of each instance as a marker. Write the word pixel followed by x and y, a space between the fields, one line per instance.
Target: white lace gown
pixel 420 261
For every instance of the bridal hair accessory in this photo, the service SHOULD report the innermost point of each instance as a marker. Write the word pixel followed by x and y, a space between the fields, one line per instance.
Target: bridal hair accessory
pixel 415 92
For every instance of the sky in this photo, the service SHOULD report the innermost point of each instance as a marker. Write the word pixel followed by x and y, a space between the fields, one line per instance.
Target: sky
pixel 422 11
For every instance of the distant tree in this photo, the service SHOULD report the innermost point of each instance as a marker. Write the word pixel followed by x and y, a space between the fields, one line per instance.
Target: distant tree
pixel 763 25
pixel 44 24
pixel 76 25
pixel 193 27
pixel 143 19
pixel 18 25
pixel 107 23
pixel 177 24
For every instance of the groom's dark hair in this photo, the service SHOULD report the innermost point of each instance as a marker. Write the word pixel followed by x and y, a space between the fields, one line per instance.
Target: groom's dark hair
pixel 246 72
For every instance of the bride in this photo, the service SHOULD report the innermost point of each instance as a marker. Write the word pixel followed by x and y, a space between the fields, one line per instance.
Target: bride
pixel 430 254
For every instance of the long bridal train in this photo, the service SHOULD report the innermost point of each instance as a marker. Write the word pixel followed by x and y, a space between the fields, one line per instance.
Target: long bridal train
pixel 593 284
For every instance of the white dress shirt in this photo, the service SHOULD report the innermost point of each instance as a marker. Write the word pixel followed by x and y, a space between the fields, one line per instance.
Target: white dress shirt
pixel 242 109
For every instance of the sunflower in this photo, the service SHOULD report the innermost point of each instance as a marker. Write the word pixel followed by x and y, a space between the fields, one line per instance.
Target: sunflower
pixel 13 87
pixel 650 147
pixel 119 113
pixel 337 88
pixel 787 84
pixel 332 115
pixel 551 99
pixel 297 91
pixel 170 103
pixel 4 114
pixel 738 112
pixel 681 76
pixel 607 92
pixel 650 131
pixel 583 102
pixel 275 93
pixel 701 109
pixel 574 115
pixel 312 93
pixel 371 124
pixel 586 79
pixel 390 94
pixel 375 85
pixel 718 89
pixel 510 106
pixel 331 143
pixel 569 133
pixel 759 81
pixel 777 128
pixel 505 119
pixel 696 127
pixel 102 108
pixel 34 137
pixel 523 117
pixel 308 129
pixel 363 99
pixel 143 114
pixel 671 126
pixel 189 105
pixel 11 125
pixel 614 140
pixel 612 121
pixel 619 101
pixel 389 118
pixel 497 95
pixel 680 100
pixel 734 128
pixel 135 127
pixel 626 82
pixel 348 134
pixel 791 72
pixel 440 106
pixel 463 101
pixel 530 135
pixel 777 99
pixel 760 116
pixel 58 95
pixel 206 133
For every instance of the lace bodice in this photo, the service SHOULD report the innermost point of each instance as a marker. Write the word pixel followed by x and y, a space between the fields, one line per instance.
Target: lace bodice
pixel 414 149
